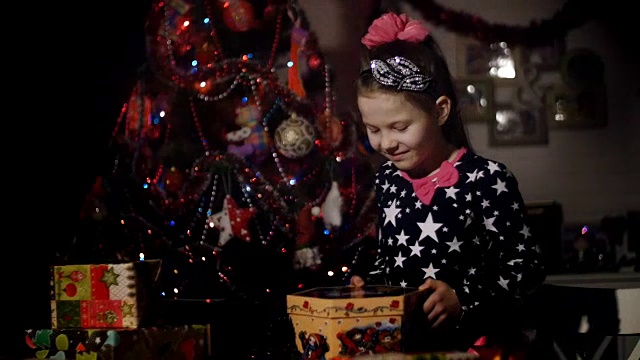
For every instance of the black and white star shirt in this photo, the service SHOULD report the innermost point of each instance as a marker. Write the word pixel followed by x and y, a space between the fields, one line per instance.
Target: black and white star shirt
pixel 472 234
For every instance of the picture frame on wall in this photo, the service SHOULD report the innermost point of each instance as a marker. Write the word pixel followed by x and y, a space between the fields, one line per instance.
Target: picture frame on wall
pixel 476 99
pixel 513 126
pixel 576 108
pixel 545 57
pixel 478 60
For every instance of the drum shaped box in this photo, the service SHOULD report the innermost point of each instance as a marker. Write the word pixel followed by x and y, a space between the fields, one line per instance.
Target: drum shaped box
pixel 343 322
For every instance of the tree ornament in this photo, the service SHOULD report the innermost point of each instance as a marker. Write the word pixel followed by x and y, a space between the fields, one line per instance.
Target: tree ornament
pixel 332 207
pixel 232 221
pixel 332 129
pixel 238 15
pixel 294 137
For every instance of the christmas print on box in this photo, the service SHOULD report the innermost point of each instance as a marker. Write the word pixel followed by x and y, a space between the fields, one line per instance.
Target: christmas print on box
pixel 101 295
pixel 344 322
pixel 167 343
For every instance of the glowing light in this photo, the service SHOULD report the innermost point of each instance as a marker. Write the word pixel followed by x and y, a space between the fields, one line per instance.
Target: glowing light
pixel 206 20
pixel 203 84
pixel 292 182
pixel 204 259
pixel 175 290
pixel 186 23
pixel 326 231
pixel 145 186
pixel 345 269
pixel 194 62
pixel 330 273
pixel 141 256
pixel 162 113
pixel 289 63
pixel 585 229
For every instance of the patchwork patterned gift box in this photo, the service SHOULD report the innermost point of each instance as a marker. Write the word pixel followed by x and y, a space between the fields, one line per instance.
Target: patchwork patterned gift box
pixel 102 295
pixel 166 343
pixel 344 322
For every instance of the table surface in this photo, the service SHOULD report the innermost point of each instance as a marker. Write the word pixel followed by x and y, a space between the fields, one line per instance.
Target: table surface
pixel 606 280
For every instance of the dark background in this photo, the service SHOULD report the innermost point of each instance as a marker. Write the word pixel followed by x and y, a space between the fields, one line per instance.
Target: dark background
pixel 69 70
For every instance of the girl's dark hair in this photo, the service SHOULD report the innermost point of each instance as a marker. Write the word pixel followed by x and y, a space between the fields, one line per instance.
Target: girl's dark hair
pixel 428 57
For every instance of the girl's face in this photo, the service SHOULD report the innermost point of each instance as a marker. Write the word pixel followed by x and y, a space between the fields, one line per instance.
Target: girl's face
pixel 405 134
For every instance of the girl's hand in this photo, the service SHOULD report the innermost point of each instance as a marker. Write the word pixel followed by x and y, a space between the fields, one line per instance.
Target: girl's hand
pixel 442 306
pixel 356 281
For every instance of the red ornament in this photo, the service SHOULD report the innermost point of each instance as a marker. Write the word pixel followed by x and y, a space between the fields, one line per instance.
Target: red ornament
pixel 238 15
pixel 315 62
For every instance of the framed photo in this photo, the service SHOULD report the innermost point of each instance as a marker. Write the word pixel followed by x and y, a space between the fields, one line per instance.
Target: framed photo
pixel 476 99
pixel 477 59
pixel 518 126
pixel 576 108
pixel 546 57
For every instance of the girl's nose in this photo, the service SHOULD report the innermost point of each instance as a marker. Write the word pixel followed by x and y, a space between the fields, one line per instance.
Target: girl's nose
pixel 387 142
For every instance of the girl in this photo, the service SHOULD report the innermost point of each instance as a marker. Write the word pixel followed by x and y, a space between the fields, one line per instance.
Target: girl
pixel 451 222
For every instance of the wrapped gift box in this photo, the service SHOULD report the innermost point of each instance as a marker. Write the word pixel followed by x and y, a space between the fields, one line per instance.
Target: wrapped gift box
pixel 343 322
pixel 102 295
pixel 167 343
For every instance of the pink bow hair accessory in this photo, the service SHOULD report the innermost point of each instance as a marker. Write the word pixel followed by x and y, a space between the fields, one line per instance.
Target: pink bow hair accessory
pixel 390 27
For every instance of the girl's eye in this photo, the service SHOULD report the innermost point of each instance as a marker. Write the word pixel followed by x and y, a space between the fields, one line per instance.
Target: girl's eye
pixel 372 130
pixel 401 128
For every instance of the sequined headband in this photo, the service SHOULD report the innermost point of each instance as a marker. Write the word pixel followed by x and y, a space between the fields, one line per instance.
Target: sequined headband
pixel 400 73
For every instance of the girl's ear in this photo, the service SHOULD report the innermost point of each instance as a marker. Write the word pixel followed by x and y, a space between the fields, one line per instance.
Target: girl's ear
pixel 443 108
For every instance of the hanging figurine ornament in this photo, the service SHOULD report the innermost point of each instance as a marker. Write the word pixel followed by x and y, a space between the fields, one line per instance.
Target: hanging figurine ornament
pixel 332 207
pixel 295 137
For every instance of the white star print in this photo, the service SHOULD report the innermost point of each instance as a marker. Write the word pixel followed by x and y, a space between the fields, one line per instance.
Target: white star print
pixel 403 283
pixel 488 224
pixel 454 245
pixel 500 186
pixel 493 167
pixel 485 203
pixel 385 186
pixel 429 228
pixel 418 204
pixel 402 238
pixel 520 247
pixel 400 259
pixel 472 271
pixel 390 214
pixel 503 283
pixel 415 249
pixel 468 197
pixel 472 176
pixel 515 206
pixel 525 232
pixel 430 271
pixel 393 188
pixel 451 192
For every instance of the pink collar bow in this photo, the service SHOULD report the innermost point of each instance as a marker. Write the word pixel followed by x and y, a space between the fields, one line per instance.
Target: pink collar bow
pixel 446 176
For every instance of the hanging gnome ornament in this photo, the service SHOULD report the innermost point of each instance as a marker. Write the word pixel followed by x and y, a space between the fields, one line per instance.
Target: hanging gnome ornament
pixel 332 207
pixel 232 221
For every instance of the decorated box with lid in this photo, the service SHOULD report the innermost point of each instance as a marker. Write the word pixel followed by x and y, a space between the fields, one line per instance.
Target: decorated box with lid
pixel 344 322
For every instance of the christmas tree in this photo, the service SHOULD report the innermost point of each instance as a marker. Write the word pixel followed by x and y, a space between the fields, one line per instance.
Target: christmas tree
pixel 228 162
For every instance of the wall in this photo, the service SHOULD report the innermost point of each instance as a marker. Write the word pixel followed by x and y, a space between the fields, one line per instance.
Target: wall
pixel 588 171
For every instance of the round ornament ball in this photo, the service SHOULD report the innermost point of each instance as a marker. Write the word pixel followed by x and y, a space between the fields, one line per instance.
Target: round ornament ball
pixel 295 137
